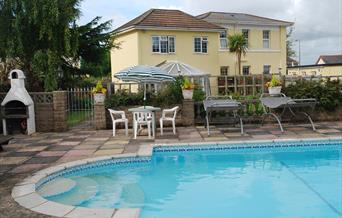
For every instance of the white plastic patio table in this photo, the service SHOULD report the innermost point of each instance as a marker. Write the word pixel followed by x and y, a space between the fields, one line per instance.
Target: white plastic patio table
pixel 147 109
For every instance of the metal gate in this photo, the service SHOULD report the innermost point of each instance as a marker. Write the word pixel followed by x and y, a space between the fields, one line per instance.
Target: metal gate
pixel 80 108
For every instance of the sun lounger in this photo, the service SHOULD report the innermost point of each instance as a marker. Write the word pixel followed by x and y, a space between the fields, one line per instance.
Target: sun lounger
pixel 218 103
pixel 272 102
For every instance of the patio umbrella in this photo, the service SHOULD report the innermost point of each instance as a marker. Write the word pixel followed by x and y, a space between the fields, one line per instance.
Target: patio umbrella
pixel 144 74
pixel 177 68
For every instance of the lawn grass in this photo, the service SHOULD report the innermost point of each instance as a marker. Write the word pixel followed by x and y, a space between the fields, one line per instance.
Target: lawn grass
pixel 76 117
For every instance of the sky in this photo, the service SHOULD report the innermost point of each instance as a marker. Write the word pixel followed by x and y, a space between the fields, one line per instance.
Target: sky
pixel 318 23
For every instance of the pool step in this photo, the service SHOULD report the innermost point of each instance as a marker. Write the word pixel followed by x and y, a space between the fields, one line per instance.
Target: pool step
pixel 133 195
pixel 84 190
pixel 57 187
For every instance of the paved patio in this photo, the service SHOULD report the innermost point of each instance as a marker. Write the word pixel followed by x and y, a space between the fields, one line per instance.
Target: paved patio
pixel 27 154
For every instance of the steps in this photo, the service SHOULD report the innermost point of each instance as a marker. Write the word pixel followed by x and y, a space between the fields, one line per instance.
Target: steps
pixel 85 189
pixel 56 187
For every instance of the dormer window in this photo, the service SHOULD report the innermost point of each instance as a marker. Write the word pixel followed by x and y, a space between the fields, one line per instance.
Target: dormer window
pixel 163 44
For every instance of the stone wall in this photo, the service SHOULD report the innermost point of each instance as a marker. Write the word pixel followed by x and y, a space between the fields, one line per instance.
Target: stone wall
pixel 60 111
pixel 99 116
pixel 44 120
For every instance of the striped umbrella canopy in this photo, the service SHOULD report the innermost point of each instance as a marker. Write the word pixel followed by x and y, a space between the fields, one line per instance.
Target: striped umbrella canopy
pixel 144 74
pixel 176 68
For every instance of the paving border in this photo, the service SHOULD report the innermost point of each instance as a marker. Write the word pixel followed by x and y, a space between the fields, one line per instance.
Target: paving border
pixel 24 193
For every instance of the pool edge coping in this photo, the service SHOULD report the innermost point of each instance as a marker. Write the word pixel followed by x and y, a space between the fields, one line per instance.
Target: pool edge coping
pixel 24 192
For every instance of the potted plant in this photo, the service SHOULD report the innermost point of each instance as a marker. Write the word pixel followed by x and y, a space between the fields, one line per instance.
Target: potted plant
pixel 274 86
pixel 99 93
pixel 187 88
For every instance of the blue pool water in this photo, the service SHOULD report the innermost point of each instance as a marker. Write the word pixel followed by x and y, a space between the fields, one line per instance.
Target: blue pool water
pixel 268 182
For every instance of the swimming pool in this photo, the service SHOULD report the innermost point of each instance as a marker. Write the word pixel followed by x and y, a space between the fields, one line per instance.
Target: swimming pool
pixel 285 179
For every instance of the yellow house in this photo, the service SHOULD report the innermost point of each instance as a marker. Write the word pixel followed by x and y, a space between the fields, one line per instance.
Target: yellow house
pixel 158 35
pixel 326 65
pixel 266 42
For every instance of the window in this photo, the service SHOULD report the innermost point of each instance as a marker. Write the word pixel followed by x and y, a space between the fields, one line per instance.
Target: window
pixel 267 69
pixel 245 70
pixel 201 44
pixel 266 38
pixel 224 71
pixel 163 44
pixel 223 40
pixel 245 33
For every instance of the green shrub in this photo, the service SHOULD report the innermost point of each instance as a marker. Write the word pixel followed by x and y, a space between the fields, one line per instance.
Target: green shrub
pixel 170 94
pixel 123 98
pixel 199 94
pixel 328 93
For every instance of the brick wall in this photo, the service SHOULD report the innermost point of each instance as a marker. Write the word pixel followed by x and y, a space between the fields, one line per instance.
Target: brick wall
pixel 44 120
pixel 60 111
pixel 99 116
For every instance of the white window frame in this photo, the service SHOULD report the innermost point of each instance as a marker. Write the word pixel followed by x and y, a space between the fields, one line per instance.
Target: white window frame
pixel 168 44
pixel 247 38
pixel 224 67
pixel 266 40
pixel 249 70
pixel 269 72
pixel 202 39
pixel 225 39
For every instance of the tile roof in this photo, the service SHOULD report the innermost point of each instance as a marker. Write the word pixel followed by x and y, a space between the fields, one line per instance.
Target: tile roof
pixel 222 18
pixel 171 19
pixel 330 59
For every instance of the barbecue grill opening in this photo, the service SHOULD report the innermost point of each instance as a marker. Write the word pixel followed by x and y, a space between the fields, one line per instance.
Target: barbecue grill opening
pixel 16 114
pixel 15 109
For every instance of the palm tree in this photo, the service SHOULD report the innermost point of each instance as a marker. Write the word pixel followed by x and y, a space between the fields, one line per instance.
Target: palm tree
pixel 238 44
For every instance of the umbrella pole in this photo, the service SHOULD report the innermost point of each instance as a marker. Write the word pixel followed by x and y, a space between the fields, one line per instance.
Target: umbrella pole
pixel 144 95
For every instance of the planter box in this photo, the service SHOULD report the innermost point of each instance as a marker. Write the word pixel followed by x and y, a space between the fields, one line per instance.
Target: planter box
pixel 188 94
pixel 99 98
pixel 276 90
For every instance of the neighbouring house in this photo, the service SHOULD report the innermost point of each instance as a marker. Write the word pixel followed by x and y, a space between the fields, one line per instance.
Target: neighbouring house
pixel 159 35
pixel 291 62
pixel 326 65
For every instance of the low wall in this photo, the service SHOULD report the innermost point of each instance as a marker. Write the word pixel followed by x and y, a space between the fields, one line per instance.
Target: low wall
pixel 50 110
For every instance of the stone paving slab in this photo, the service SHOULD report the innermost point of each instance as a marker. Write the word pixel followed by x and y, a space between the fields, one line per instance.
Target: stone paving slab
pixel 108 152
pixel 28 168
pixel 25 155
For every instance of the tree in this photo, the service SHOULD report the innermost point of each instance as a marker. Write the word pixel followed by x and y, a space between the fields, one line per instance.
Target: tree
pixel 238 44
pixel 38 34
pixel 290 52
pixel 94 44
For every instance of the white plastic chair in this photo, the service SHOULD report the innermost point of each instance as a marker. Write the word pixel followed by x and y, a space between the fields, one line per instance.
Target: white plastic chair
pixel 172 119
pixel 142 119
pixel 122 119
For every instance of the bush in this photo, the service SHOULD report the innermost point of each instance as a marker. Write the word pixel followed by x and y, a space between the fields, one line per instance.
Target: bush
pixel 122 98
pixel 328 93
pixel 199 94
pixel 170 94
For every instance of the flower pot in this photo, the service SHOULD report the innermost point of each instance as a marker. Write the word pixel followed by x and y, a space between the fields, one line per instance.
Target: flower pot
pixel 188 93
pixel 276 90
pixel 99 98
